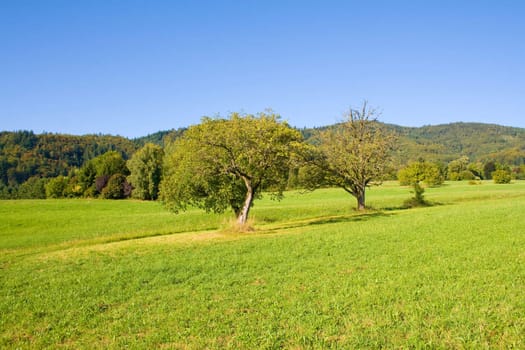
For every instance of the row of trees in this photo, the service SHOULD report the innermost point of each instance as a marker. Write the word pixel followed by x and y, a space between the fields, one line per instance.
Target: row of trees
pixel 107 176
pixel 27 160
pixel 227 163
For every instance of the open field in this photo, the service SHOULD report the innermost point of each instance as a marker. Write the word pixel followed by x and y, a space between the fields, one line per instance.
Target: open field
pixel 315 274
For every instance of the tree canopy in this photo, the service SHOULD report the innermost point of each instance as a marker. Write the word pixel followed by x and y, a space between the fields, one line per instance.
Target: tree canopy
pixel 146 171
pixel 352 156
pixel 417 173
pixel 227 162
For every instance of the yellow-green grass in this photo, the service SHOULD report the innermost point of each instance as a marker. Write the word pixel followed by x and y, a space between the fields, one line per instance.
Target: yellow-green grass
pixel 314 274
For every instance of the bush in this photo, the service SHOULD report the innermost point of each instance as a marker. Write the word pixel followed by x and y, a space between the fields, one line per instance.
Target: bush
pixel 101 182
pixel 74 188
pixel 116 187
pixel 56 187
pixel 501 176
pixel 33 188
pixel 466 175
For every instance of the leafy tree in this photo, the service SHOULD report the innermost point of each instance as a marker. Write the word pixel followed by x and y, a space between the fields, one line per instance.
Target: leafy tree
pixel 488 168
pixel 56 187
pixel 6 192
pixel 519 172
pixel 353 155
pixel 33 188
pixel 115 188
pixel 223 163
pixel 501 176
pixel 417 173
pixel 476 169
pixel 86 178
pixel 466 175
pixel 457 168
pixel 146 171
pixel 94 175
pixel 101 182
pixel 110 163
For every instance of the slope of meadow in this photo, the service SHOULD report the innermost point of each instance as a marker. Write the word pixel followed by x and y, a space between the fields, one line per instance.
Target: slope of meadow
pixel 314 274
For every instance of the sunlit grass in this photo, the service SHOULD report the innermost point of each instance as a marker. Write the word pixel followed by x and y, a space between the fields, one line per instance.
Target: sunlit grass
pixel 314 273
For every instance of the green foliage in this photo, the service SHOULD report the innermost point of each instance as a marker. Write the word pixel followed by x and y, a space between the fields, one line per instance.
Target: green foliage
pixel 86 179
pixel 56 187
pixel 420 171
pixel 466 175
pixel 116 187
pixel 110 163
pixel 417 173
pixel 509 156
pixel 457 167
pixel 443 143
pixel 146 171
pixel 74 188
pixel 501 176
pixel 24 154
pixel 488 168
pixel 161 138
pixel 95 174
pixel 352 156
pixel 223 163
pixel 519 172
pixel 477 169
pixel 33 188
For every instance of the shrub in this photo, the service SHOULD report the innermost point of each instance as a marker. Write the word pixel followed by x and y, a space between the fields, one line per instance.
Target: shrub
pixel 116 187
pixel 101 182
pixel 56 187
pixel 466 175
pixel 33 188
pixel 501 176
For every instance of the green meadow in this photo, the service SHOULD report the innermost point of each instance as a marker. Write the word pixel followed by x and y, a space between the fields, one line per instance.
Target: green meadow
pixel 313 274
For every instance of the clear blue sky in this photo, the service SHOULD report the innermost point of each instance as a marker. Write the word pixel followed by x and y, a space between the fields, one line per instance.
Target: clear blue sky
pixel 136 67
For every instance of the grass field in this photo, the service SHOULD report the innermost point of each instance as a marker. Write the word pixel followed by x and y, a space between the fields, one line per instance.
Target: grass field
pixel 99 274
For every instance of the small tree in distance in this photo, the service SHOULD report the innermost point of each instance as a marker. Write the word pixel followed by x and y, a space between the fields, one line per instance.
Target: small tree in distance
pixel 417 173
pixel 501 176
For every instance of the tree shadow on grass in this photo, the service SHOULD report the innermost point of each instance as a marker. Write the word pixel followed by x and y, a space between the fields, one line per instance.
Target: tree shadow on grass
pixel 409 205
pixel 356 217
pixel 348 218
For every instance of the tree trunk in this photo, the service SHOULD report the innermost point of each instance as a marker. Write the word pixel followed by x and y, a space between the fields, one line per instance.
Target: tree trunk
pixel 250 193
pixel 360 196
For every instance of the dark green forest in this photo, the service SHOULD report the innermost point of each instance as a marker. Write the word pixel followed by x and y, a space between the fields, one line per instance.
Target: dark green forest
pixel 29 160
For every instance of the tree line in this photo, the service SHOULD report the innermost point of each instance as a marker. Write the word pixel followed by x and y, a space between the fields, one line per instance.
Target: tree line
pixel 225 163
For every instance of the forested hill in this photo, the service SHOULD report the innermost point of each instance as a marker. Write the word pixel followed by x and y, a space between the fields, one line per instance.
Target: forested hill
pixel 479 142
pixel 24 154
pixel 160 137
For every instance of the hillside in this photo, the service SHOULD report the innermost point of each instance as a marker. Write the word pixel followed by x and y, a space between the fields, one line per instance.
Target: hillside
pixel 24 154
pixel 479 142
